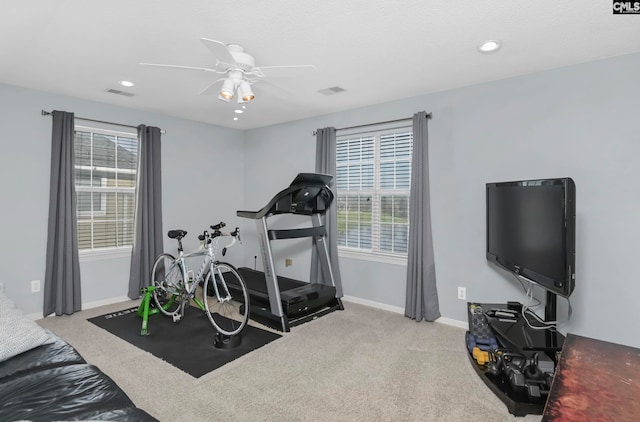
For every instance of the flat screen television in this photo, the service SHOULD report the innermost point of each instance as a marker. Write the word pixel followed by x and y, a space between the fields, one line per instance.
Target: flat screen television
pixel 531 231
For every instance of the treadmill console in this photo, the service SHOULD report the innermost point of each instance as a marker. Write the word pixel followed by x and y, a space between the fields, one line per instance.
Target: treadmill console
pixel 308 194
pixel 312 179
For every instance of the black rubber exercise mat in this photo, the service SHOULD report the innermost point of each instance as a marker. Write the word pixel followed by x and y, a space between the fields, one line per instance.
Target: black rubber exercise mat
pixel 188 344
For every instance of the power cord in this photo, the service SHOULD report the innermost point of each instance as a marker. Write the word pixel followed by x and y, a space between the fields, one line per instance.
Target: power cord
pixel 528 309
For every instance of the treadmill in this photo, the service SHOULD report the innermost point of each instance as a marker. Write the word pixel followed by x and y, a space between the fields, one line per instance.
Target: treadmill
pixel 281 302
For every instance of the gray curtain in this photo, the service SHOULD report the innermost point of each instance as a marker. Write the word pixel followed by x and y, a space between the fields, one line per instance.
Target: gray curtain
pixel 62 273
pixel 147 238
pixel 422 296
pixel 326 163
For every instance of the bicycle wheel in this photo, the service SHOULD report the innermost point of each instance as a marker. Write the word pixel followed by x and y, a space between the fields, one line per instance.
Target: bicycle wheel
pixel 168 280
pixel 228 308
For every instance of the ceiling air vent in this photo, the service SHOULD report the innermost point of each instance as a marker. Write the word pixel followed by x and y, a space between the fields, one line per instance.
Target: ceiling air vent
pixel 332 90
pixel 118 92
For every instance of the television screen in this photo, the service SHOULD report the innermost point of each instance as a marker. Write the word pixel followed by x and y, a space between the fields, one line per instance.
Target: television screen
pixel 531 231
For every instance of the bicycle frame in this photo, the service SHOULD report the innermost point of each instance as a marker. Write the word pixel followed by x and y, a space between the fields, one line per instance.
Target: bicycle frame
pixel 191 281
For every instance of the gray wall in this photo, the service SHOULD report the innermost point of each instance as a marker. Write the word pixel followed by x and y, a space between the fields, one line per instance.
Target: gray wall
pixel 579 121
pixel 198 160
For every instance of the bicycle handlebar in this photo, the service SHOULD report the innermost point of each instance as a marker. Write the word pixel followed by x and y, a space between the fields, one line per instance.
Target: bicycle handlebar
pixel 235 236
pixel 218 226
pixel 207 237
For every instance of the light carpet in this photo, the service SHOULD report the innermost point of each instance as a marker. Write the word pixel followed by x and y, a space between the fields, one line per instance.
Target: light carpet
pixel 360 364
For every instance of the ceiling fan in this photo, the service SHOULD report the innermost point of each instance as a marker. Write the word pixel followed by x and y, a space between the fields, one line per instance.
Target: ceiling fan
pixel 238 67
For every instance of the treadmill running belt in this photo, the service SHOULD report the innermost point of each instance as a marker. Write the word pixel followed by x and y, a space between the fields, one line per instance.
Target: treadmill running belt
pixel 297 297
pixel 255 281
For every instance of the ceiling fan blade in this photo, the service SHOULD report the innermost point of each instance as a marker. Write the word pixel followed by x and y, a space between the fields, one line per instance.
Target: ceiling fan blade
pixel 211 85
pixel 270 71
pixel 220 51
pixel 310 66
pixel 202 69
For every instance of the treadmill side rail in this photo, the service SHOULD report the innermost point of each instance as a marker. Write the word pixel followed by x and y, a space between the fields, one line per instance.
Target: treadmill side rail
pixel 271 279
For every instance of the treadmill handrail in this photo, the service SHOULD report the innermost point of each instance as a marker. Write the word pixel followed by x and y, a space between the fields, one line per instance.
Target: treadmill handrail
pixel 270 207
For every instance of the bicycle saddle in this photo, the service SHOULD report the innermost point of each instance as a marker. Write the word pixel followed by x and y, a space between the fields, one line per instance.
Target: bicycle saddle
pixel 177 234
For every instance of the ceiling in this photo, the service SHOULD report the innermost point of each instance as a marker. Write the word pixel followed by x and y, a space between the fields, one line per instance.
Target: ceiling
pixel 376 50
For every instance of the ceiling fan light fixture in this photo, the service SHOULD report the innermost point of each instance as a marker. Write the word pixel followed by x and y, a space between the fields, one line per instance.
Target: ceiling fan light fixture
pixel 245 94
pixel 226 93
pixel 237 66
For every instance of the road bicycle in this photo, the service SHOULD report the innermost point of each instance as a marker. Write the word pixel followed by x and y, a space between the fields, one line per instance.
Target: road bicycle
pixel 174 286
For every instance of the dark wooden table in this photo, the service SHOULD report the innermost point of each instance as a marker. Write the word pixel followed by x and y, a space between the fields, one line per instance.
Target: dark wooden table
pixel 595 381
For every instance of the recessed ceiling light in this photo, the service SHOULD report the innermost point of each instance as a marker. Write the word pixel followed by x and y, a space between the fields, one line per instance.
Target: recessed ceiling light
pixel 235 118
pixel 128 84
pixel 490 46
pixel 238 111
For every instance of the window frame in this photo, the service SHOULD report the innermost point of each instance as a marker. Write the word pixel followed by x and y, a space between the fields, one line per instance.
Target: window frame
pixel 376 255
pixel 93 254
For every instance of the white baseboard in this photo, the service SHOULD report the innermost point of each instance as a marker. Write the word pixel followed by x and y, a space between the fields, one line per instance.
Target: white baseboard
pixel 88 305
pixel 453 322
pixel 372 304
pixel 104 302
pixel 399 310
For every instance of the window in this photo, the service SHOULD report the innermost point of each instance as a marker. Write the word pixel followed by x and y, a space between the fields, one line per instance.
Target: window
pixel 373 176
pixel 105 174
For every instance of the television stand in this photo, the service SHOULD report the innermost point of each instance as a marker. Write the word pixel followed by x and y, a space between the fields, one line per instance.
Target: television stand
pixel 518 337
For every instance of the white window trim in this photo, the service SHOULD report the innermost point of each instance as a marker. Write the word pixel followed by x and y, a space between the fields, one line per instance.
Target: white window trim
pixel 99 254
pixel 351 253
pixel 95 129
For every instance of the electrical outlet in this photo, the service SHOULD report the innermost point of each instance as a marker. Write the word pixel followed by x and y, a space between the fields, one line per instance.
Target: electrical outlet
pixel 35 286
pixel 462 293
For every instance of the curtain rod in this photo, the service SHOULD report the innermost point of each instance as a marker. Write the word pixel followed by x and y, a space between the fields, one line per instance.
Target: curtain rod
pixel 48 113
pixel 428 116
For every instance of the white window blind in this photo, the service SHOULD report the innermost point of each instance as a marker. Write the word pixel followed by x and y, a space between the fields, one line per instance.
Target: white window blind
pixel 373 176
pixel 105 173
